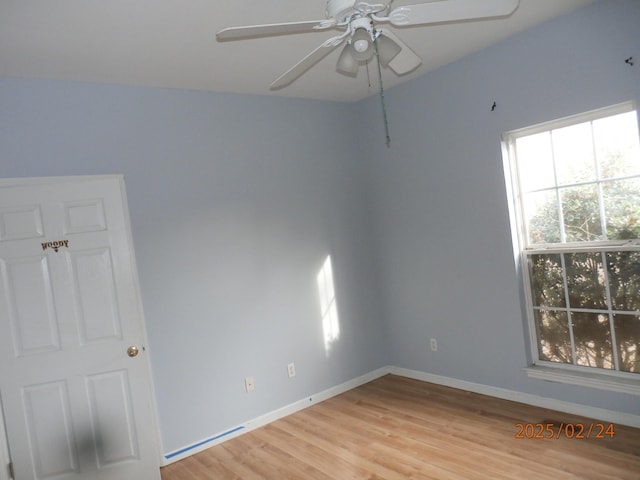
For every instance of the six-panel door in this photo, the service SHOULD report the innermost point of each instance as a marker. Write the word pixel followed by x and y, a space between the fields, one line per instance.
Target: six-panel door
pixel 76 405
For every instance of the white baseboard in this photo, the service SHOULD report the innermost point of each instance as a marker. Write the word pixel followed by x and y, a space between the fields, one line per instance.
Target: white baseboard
pixel 258 422
pixel 526 398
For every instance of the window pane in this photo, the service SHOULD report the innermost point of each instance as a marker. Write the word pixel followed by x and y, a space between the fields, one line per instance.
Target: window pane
pixel 546 280
pixel 541 213
pixel 580 183
pixel 585 280
pixel 535 162
pixel 573 153
pixel 622 208
pixel 628 338
pixel 624 280
pixel 592 337
pixel 581 213
pixel 554 342
pixel 617 148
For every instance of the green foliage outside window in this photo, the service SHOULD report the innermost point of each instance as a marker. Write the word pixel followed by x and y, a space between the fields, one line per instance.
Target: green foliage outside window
pixel 586 294
pixel 588 316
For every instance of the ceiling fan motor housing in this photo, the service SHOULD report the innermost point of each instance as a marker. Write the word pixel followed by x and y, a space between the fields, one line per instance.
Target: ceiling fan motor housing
pixel 341 10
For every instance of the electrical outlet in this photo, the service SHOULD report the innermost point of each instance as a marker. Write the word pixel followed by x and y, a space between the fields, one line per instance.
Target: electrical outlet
pixel 291 370
pixel 249 385
pixel 433 344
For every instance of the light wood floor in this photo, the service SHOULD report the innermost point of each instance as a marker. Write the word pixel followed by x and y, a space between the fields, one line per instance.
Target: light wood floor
pixel 397 428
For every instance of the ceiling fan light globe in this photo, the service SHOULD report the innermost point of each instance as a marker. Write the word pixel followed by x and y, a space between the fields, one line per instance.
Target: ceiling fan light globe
pixel 362 45
pixel 347 63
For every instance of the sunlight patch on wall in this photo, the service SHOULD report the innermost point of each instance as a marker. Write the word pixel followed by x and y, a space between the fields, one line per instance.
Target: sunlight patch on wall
pixel 328 308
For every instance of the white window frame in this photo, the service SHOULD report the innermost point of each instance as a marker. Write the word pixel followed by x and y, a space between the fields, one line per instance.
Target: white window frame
pixel 611 380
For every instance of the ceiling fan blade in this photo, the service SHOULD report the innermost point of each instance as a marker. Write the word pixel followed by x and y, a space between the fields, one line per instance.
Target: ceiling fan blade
pixel 237 33
pixel 404 62
pixel 440 11
pixel 307 62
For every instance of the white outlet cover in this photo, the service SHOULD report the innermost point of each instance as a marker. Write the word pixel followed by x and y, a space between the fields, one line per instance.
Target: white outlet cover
pixel 249 385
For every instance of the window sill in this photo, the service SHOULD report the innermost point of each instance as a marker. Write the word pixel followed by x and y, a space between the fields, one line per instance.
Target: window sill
pixel 585 379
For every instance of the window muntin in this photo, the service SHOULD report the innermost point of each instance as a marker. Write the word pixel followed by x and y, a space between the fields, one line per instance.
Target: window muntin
pixel 577 183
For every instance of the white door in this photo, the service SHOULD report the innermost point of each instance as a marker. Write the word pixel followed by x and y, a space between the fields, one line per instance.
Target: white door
pixel 77 400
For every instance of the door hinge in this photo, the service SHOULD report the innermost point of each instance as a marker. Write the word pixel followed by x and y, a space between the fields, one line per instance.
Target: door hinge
pixel 12 475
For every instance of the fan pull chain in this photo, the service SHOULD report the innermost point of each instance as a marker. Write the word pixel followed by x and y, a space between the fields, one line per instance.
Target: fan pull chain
pixel 384 107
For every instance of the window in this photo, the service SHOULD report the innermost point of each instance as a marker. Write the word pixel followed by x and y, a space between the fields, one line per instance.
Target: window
pixel 576 186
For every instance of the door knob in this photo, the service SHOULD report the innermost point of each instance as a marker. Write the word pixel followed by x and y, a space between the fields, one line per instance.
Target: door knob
pixel 133 351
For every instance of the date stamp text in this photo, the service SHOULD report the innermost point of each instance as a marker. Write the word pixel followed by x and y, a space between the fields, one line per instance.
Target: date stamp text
pixel 565 430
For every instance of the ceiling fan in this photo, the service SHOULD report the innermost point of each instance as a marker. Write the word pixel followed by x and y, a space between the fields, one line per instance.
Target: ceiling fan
pixel 360 23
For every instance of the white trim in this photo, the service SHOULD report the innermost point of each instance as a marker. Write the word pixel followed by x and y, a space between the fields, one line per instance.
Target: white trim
pixel 258 422
pixel 624 107
pixel 5 458
pixel 622 418
pixel 497 392
pixel 138 298
pixel 586 379
pixel 518 236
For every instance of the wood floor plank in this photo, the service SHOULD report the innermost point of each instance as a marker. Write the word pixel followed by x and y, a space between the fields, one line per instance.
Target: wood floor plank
pixel 398 428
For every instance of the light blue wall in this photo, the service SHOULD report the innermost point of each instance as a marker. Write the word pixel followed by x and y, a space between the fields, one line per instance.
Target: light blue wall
pixel 443 233
pixel 235 201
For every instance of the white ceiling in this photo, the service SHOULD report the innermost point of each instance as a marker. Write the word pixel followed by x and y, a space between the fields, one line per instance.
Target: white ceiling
pixel 172 43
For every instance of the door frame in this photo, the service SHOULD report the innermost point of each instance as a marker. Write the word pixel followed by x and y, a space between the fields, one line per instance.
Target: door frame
pixel 5 456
